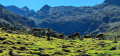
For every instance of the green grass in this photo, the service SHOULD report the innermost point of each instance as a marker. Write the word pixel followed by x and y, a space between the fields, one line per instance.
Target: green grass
pixel 33 46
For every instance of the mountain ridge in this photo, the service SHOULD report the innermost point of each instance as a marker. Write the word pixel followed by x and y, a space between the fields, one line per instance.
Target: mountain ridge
pixel 14 19
pixel 61 18
pixel 21 11
pixel 85 19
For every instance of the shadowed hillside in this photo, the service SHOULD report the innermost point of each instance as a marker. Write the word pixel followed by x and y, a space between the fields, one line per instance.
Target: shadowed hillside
pixel 86 19
pixel 15 20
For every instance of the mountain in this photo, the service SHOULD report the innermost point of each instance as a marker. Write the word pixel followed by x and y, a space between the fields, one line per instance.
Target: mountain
pixel 20 11
pixel 85 19
pixel 13 19
pixel 42 13
pixel 112 2
pixel 25 8
pixel 45 8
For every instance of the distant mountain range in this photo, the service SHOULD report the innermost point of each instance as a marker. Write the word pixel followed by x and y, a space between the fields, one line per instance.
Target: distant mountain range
pixel 12 19
pixel 21 11
pixel 103 17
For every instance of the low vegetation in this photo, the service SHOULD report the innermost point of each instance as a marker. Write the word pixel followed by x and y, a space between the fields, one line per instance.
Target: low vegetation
pixel 29 45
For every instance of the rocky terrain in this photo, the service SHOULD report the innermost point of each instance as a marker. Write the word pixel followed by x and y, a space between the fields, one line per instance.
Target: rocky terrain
pixel 85 19
pixel 28 45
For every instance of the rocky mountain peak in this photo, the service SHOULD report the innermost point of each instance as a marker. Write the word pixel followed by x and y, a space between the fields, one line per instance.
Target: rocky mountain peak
pixel 32 11
pixel 45 8
pixel 25 8
pixel 113 2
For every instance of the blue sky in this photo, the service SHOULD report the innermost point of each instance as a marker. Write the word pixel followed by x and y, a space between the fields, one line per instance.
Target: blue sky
pixel 37 4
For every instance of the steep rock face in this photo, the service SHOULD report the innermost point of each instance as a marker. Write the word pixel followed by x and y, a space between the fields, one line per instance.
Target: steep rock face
pixel 85 20
pixel 45 8
pixel 42 13
pixel 72 27
pixel 21 11
pixel 25 8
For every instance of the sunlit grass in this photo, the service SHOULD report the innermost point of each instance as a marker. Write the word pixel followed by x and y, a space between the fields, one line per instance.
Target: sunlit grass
pixel 57 47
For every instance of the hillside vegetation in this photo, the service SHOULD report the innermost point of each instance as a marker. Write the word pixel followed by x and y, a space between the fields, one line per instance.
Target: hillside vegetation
pixel 8 19
pixel 70 19
pixel 21 44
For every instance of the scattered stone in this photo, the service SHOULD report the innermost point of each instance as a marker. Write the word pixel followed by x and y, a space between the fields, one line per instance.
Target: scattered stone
pixel 10 42
pixel 11 53
pixel 43 37
pixel 22 48
pixel 113 48
pixel 96 53
pixel 6 35
pixel 39 54
pixel 102 43
pixel 18 42
pixel 14 47
pixel 64 46
pixel 35 53
pixel 115 42
pixel 69 46
pixel 93 44
pixel 5 42
pixel 9 31
pixel 40 49
pixel 1 46
pixel 30 43
pixel 109 55
pixel 104 49
pixel 44 55
pixel 66 50
pixel 1 50
pixel 58 53
pixel 80 45
pixel 18 37
pixel 71 43
pixel 27 36
pixel 2 38
pixel 79 51
pixel 92 49
pixel 50 48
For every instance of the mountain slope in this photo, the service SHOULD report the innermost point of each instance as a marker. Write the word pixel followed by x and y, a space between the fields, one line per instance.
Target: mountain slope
pixel 14 19
pixel 84 19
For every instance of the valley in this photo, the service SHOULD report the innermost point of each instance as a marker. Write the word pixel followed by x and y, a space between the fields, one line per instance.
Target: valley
pixel 61 30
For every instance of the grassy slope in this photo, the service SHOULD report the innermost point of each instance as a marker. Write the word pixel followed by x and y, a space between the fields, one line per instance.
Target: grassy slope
pixel 31 45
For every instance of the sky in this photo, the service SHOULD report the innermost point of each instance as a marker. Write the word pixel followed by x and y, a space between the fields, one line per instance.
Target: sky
pixel 37 4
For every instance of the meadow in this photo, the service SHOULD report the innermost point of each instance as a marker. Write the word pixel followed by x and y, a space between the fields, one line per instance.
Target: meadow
pixel 29 45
